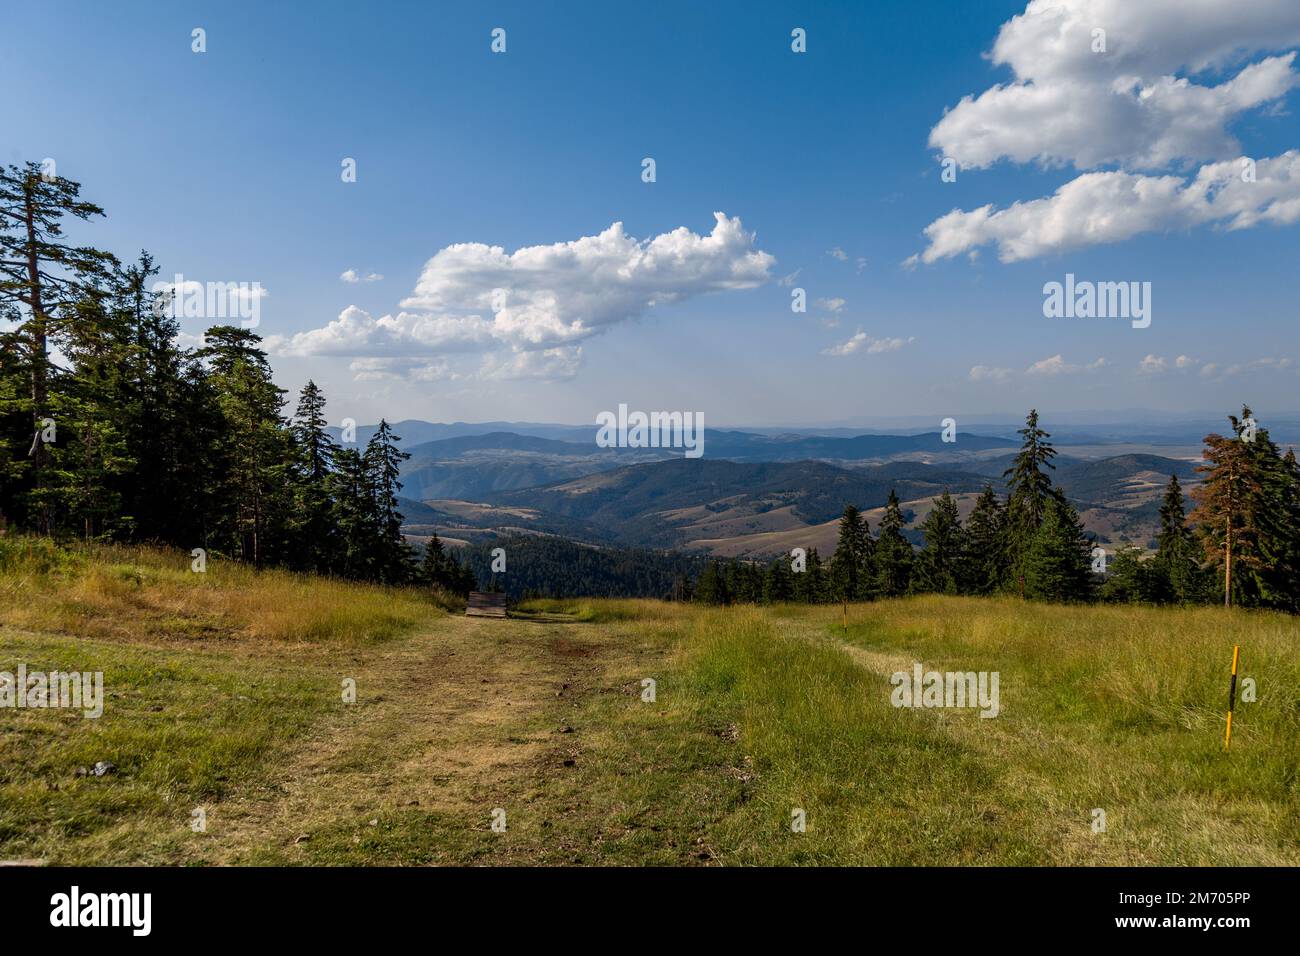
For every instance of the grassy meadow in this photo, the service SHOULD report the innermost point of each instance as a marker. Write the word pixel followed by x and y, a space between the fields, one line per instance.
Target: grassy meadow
pixel 225 694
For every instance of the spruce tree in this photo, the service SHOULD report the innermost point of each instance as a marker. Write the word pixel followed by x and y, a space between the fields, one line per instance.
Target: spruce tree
pixel 1029 489
pixel 985 562
pixel 1058 562
pixel 90 460
pixel 355 517
pixel 1176 568
pixel 712 585
pixel 893 552
pixel 314 508
pixel 255 447
pixel 810 584
pixel 939 563
pixel 394 561
pixel 1130 580
pixel 778 582
pixel 852 565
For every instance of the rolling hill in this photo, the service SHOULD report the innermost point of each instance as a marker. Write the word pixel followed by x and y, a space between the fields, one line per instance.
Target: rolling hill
pixel 758 509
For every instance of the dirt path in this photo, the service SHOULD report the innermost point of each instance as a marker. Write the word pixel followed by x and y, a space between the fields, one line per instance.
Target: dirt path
pixel 443 720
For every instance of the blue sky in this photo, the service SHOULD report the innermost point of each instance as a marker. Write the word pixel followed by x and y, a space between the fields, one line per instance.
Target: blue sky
pixel 226 165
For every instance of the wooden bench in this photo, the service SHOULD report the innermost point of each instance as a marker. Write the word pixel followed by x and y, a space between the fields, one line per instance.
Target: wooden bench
pixel 485 604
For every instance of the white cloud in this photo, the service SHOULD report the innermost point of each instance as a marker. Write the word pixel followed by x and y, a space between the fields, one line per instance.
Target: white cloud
pixel 1153 364
pixel 473 297
pixel 1109 207
pixel 545 296
pixel 356 333
pixel 1174 74
pixel 1056 365
pixel 1126 105
pixel 789 280
pixel 831 305
pixel 353 277
pixel 987 373
pixel 838 253
pixel 1184 361
pixel 861 342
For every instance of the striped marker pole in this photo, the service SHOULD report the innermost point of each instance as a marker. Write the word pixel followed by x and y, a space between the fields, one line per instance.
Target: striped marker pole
pixel 1232 695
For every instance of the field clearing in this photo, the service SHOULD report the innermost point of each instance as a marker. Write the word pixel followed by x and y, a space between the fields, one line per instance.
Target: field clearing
pixel 224 693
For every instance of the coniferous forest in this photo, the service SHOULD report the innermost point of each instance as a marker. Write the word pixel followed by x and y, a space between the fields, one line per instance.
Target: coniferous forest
pixel 111 430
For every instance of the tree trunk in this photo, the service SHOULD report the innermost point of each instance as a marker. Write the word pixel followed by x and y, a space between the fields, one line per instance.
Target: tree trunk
pixel 1227 566
pixel 39 335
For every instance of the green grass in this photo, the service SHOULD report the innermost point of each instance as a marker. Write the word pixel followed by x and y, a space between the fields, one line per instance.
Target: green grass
pixel 223 692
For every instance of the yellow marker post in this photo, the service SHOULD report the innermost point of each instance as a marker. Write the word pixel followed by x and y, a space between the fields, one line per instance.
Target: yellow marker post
pixel 1232 695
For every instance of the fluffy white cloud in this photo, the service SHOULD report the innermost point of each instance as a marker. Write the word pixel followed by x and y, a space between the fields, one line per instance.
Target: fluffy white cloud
pixel 861 342
pixel 1153 364
pixel 352 277
pixel 356 333
pixel 1108 207
pixel 540 297
pixel 471 297
pixel 1071 103
pixel 831 305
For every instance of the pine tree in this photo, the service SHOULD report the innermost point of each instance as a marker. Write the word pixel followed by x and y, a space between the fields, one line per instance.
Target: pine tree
pixel 817 585
pixel 256 447
pixel 1248 516
pixel 985 561
pixel 1058 562
pixel 939 563
pixel 1176 568
pixel 810 584
pixel 1029 488
pixel 853 565
pixel 712 585
pixel 778 582
pixel 42 278
pixel 1129 579
pixel 355 517
pixel 171 420
pixel 893 552
pixel 90 459
pixel 314 507
pixel 1226 504
pixel 383 460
